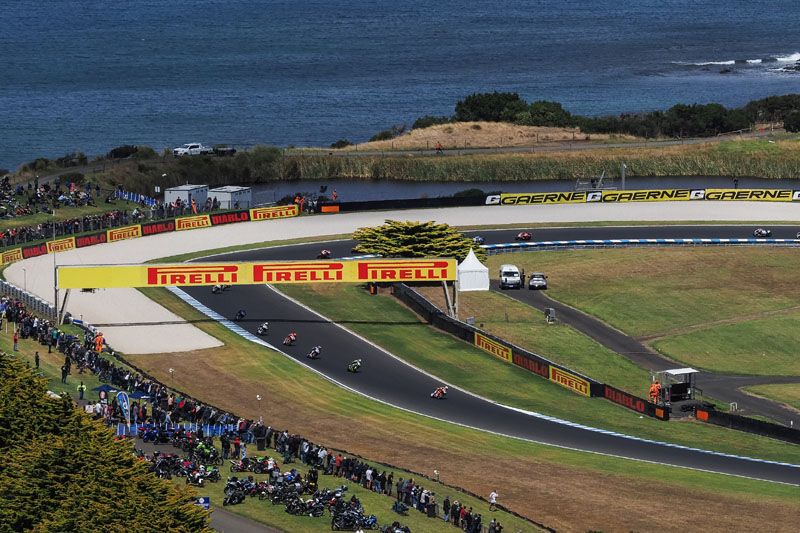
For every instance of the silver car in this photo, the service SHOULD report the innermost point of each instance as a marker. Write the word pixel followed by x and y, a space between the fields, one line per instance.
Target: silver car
pixel 537 281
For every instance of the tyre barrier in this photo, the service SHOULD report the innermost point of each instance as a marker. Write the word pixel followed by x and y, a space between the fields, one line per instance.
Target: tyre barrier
pixel 32 302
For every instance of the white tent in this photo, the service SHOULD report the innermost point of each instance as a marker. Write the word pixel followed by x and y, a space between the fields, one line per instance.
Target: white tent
pixel 472 274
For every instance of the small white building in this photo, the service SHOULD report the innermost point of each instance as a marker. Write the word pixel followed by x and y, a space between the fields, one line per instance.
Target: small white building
pixel 229 195
pixel 187 193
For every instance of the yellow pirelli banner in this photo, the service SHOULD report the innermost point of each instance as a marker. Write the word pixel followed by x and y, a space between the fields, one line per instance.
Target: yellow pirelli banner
pixel 61 245
pixel 657 195
pixel 493 347
pixel 570 381
pixel 198 274
pixel 125 232
pixel 194 222
pixel 9 256
pixel 266 213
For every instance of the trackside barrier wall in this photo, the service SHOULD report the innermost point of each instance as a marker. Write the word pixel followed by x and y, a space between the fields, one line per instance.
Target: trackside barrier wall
pixel 412 203
pixel 147 228
pixel 749 425
pixel 516 355
pixel 634 403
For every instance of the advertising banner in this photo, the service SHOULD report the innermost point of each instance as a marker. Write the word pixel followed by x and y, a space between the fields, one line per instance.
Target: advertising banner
pixel 125 232
pixel 91 239
pixel 657 195
pixel 9 256
pixel 124 405
pixel 61 245
pixel 536 366
pixel 34 250
pixel 634 403
pixel 195 222
pixel 266 213
pixel 183 274
pixel 230 217
pixel 493 347
pixel 154 228
pixel 570 381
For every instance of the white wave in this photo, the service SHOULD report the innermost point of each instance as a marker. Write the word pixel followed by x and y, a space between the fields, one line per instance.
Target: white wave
pixel 705 63
pixel 754 61
pixel 790 58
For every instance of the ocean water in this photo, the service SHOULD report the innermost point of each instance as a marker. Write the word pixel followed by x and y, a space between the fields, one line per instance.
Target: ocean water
pixel 91 75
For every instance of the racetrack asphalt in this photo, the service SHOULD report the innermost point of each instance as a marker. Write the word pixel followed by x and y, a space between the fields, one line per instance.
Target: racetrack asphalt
pixel 395 382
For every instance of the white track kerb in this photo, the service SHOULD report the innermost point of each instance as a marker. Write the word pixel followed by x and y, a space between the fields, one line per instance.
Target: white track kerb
pixel 134 324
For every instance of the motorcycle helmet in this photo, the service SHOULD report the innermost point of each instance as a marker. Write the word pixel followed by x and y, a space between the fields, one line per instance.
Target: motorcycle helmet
pixel 249 478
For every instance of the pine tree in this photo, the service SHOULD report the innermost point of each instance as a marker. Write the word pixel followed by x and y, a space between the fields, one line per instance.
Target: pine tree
pixel 415 239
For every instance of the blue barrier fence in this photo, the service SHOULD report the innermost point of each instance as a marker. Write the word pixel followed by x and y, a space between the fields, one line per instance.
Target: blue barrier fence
pixel 134 197
pixel 209 430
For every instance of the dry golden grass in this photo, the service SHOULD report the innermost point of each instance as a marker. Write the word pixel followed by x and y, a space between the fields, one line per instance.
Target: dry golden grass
pixel 485 135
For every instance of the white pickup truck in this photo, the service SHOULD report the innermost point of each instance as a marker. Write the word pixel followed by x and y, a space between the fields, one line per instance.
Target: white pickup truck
pixel 192 149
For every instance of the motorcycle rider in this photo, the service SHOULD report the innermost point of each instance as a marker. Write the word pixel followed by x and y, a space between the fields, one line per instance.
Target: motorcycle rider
pixel 263 328
pixel 324 254
pixel 314 353
pixel 440 392
pixel 240 314
pixel 354 366
pixel 290 338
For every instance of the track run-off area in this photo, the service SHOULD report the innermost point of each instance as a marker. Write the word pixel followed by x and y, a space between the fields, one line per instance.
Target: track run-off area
pixel 134 324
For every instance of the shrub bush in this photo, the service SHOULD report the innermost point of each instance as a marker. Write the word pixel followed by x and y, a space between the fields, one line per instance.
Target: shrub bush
pixel 428 121
pixel 121 152
pixel 341 143
pixel 792 122
pixel 384 135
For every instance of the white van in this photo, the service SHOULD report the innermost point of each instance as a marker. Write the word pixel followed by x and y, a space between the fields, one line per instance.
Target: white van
pixel 510 277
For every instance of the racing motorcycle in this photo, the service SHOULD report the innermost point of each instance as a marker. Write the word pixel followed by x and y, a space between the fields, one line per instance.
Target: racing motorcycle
pixel 290 338
pixel 324 254
pixel 315 352
pixel 263 328
pixel 354 366
pixel 440 393
pixel 216 289
pixel 240 314
pixel 523 236
pixel 761 232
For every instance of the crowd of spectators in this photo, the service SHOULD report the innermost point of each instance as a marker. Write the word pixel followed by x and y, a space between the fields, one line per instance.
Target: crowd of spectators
pixel 160 406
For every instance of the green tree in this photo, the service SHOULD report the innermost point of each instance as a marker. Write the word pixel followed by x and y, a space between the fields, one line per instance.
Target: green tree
pixel 62 471
pixel 792 122
pixel 415 239
pixel 488 106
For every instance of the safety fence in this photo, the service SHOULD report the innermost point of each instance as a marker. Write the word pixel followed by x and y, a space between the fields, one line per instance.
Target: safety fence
pixel 749 425
pixel 530 361
pixel 209 430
